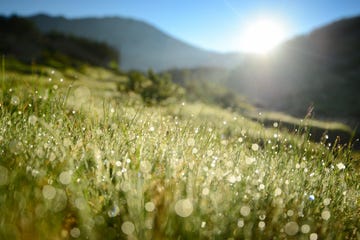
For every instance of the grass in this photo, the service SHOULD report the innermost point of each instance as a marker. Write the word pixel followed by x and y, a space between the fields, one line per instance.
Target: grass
pixel 80 160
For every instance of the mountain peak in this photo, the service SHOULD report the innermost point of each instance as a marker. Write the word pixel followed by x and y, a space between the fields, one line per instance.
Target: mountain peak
pixel 141 45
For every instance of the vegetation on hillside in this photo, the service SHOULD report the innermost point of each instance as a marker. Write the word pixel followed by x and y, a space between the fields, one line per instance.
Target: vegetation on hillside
pixel 81 160
pixel 19 38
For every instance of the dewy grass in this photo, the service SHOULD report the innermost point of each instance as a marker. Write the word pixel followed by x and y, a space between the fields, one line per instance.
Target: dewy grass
pixel 96 168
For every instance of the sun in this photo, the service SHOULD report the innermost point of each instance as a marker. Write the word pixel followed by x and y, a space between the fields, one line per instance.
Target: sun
pixel 262 35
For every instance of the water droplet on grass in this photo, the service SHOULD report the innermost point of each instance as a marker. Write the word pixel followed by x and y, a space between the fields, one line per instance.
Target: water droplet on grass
pixel 32 119
pixel 15 100
pixel 255 147
pixel 113 211
pixel 203 224
pixel 149 206
pixel 240 223
pixel 325 215
pixel 340 166
pixel 291 228
pixel 277 192
pixel 49 192
pixel 128 227
pixel 191 142
pixel 75 232
pixel 80 203
pixel 327 201
pixel 290 213
pixel 145 166
pixel 205 191
pixel 250 160
pixel 245 210
pixel 184 207
pixel 231 179
pixel 313 236
pixel 65 177
pixel 261 224
pixel 305 228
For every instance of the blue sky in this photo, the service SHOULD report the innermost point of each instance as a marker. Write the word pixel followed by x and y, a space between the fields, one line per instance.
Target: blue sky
pixel 211 24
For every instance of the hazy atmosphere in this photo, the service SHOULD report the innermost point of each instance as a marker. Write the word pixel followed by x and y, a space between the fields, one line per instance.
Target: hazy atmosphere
pixel 168 119
pixel 214 25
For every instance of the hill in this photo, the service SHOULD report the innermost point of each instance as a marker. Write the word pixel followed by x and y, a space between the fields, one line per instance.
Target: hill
pixel 320 69
pixel 142 46
pixel 21 39
pixel 81 159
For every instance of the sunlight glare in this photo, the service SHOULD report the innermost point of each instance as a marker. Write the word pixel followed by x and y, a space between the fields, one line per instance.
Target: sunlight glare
pixel 262 36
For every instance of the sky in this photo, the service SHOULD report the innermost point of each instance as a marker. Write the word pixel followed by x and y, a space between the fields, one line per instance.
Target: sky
pixel 217 25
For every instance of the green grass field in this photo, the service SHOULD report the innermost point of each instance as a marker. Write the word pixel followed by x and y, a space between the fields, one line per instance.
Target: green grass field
pixel 80 160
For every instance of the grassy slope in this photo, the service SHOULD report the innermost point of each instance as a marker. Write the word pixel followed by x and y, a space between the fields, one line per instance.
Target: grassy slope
pixel 78 159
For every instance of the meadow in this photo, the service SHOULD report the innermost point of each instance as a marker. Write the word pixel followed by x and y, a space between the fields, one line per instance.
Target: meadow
pixel 81 160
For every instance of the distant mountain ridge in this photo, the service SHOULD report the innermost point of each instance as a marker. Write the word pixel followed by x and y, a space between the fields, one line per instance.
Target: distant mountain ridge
pixel 141 45
pixel 320 69
pixel 21 39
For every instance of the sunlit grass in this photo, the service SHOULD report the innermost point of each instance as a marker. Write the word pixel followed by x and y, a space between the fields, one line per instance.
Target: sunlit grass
pixel 75 163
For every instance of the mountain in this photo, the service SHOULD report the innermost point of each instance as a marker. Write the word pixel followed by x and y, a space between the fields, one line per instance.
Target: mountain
pixel 141 45
pixel 20 38
pixel 320 70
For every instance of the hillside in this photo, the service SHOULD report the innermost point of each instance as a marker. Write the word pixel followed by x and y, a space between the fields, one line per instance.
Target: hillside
pixel 81 159
pixel 141 45
pixel 320 69
pixel 20 39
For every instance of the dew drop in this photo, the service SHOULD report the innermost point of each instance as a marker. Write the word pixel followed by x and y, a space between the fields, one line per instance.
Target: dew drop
pixel 32 119
pixel 205 191
pixel 145 166
pixel 245 210
pixel 231 179
pixel 290 213
pixel 113 211
pixel 305 228
pixel 340 166
pixel 149 206
pixel 80 203
pixel 184 207
pixel 262 217
pixel 327 201
pixel 75 232
pixel 65 177
pixel 313 236
pixel 15 100
pixel 49 192
pixel 128 227
pixel 311 197
pixel 240 223
pixel 255 147
pixel 325 215
pixel 203 224
pixel 261 224
pixel 250 160
pixel 291 228
pixel 191 142
pixel 277 192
